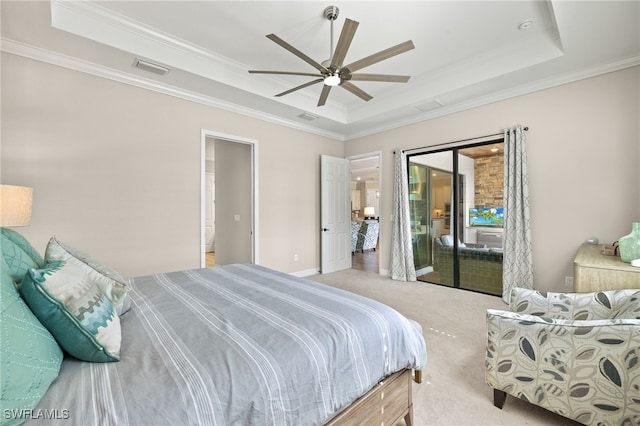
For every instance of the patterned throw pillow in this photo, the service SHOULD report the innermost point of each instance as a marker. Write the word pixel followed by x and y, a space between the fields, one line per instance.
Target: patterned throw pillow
pixel 30 358
pixel 73 308
pixel 110 281
pixel 18 254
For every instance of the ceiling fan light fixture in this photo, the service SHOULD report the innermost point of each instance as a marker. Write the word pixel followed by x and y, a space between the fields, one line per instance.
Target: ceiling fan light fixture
pixel 332 80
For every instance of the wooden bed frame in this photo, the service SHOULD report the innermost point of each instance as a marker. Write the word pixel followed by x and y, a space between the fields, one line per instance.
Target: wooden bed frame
pixel 385 404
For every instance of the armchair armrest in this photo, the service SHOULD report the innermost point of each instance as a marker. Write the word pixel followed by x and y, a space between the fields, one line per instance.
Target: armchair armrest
pixel 612 304
pixel 585 370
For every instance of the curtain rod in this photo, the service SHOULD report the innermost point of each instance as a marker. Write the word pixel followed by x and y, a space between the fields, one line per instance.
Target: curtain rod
pixel 461 140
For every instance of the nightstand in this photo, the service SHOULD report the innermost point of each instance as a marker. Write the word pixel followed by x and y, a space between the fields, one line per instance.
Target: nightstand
pixel 593 271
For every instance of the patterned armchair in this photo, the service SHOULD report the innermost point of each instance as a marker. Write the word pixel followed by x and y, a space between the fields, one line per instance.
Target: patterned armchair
pixel 355 229
pixel 368 235
pixel 576 354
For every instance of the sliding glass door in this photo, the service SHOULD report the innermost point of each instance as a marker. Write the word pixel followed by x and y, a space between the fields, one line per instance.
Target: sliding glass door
pixel 455 198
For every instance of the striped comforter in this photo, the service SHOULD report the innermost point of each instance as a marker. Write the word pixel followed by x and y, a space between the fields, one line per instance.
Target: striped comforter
pixel 237 345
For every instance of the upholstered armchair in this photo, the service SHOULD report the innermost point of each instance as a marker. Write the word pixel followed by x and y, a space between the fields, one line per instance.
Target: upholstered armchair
pixel 576 354
pixel 355 230
pixel 368 235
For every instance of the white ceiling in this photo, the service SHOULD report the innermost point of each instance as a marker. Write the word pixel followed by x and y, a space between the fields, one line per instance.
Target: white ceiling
pixel 466 53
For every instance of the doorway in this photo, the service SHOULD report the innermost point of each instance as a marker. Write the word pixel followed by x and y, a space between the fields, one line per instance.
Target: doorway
pixel 365 211
pixel 229 225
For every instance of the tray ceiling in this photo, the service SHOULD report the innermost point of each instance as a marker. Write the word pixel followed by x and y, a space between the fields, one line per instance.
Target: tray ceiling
pixel 466 53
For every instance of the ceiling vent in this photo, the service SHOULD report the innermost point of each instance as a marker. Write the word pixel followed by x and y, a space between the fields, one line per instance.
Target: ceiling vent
pixel 307 116
pixel 151 67
pixel 429 106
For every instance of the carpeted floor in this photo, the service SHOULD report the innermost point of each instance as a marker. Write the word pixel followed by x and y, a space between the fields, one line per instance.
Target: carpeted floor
pixel 454 391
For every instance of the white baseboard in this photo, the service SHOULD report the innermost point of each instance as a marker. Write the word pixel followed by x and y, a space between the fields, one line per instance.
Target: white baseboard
pixel 315 271
pixel 306 273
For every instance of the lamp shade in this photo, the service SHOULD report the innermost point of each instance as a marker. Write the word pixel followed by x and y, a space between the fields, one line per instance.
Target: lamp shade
pixel 369 211
pixel 15 205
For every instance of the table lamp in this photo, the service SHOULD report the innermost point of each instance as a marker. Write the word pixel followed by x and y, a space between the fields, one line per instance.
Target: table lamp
pixel 369 212
pixel 15 205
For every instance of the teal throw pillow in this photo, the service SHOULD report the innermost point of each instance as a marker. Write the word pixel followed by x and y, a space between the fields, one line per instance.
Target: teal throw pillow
pixel 30 358
pixel 114 285
pixel 73 308
pixel 18 254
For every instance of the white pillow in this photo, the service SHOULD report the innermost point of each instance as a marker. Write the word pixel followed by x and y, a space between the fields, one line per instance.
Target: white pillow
pixel 110 282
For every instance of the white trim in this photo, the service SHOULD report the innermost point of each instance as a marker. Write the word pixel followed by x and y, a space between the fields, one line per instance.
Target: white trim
pixel 253 143
pixel 513 92
pixel 75 64
pixel 380 203
pixel 54 58
pixel 306 273
pixel 92 21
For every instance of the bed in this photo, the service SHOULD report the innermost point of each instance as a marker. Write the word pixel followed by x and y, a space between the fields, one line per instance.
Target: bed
pixel 244 344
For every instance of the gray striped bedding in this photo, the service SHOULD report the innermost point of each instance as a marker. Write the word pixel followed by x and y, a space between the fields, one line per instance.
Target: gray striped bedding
pixel 236 345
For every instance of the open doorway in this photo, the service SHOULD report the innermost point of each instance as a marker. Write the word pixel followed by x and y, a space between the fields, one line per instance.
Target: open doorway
pixel 228 200
pixel 365 211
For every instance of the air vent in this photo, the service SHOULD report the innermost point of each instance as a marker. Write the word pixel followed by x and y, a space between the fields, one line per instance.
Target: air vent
pixel 307 116
pixel 429 106
pixel 151 67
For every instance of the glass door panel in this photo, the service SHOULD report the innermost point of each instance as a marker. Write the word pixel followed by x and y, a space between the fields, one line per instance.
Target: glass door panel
pixel 430 200
pixel 481 218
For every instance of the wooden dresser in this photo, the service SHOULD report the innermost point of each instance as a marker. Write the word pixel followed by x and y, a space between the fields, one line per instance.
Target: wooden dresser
pixel 593 271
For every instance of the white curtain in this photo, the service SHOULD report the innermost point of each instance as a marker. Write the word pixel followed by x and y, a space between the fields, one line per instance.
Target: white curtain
pixel 517 258
pixel 402 266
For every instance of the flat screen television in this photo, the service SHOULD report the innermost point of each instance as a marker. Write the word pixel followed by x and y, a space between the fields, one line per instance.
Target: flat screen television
pixel 486 216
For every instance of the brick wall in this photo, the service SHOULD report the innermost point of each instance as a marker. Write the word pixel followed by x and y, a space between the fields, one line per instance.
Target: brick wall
pixel 489 172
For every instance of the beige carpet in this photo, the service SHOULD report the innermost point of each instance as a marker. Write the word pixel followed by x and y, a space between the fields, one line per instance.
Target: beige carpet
pixel 454 391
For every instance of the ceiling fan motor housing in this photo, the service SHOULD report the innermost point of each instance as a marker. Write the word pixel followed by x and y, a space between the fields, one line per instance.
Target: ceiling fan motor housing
pixel 331 13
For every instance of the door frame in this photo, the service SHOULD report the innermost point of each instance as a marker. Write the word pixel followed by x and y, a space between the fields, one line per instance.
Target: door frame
pixel 253 144
pixel 380 200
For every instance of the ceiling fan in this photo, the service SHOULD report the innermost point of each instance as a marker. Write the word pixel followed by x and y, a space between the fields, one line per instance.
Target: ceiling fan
pixel 333 72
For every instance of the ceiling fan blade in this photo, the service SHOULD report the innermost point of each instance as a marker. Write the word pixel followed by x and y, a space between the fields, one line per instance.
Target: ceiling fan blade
pixel 324 94
pixel 308 74
pixel 387 78
pixel 356 91
pixel 346 37
pixel 381 56
pixel 296 52
pixel 302 86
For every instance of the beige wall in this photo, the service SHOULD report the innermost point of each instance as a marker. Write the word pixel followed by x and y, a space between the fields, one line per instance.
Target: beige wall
pixel 116 170
pixel 583 148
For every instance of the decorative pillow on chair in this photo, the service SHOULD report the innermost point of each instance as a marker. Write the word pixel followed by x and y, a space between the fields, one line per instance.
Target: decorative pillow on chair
pixel 110 281
pixel 30 358
pixel 75 310
pixel 18 254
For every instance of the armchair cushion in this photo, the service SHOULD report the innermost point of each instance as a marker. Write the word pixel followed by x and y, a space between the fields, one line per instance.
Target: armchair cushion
pixel 587 370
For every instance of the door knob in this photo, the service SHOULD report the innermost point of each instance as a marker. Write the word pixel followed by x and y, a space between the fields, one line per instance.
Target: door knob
pixel 325 229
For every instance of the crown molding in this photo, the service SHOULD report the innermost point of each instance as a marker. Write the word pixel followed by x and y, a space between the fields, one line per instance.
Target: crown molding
pixel 524 89
pixel 54 58
pixel 75 64
pixel 100 24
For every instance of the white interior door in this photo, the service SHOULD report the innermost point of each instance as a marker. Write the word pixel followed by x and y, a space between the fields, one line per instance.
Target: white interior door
pixel 335 220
